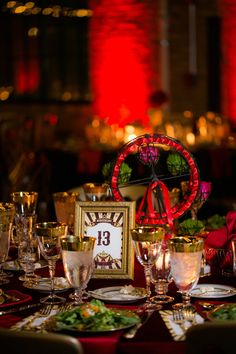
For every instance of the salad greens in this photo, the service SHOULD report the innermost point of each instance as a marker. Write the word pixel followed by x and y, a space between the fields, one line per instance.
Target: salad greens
pixel 225 312
pixel 94 316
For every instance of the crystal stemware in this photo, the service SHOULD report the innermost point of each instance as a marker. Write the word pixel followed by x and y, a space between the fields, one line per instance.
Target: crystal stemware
pixel 147 241
pixel 28 255
pixel 27 245
pixel 49 236
pixel 77 258
pixel 161 276
pixel 7 211
pixel 185 259
pixel 64 203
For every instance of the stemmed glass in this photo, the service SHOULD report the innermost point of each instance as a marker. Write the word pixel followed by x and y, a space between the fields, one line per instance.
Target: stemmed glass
pixel 64 203
pixel 147 241
pixel 27 257
pixel 7 211
pixel 161 276
pixel 77 258
pixel 49 236
pixel 27 245
pixel 185 259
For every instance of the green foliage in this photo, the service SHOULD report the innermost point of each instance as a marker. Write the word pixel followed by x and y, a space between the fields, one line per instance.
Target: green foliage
pixel 214 222
pixel 190 227
pixel 125 172
pixel 176 164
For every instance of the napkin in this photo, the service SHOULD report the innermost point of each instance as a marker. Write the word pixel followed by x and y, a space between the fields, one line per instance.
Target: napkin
pixel 221 238
pixel 19 297
pixel 177 333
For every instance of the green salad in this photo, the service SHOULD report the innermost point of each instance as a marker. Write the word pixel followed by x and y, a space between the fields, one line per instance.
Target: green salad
pixel 224 312
pixel 93 316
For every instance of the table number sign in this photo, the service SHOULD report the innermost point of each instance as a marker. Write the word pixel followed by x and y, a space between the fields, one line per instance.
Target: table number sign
pixel 110 223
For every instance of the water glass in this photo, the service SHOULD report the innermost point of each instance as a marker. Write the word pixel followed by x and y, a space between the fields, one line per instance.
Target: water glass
pixel 77 258
pixel 185 260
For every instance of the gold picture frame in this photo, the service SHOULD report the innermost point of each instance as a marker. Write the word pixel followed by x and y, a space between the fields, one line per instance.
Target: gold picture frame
pixel 110 223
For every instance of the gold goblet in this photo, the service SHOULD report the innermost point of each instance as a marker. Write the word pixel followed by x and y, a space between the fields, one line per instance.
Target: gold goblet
pixel 25 202
pixel 77 258
pixel 49 236
pixel 64 203
pixel 96 191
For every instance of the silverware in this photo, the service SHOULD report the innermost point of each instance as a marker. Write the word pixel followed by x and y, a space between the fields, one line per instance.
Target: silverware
pixel 132 331
pixel 20 308
pixel 44 313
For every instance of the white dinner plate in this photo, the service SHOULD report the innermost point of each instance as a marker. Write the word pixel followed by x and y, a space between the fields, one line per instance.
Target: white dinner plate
pixel 15 266
pixel 44 285
pixel 213 291
pixel 119 294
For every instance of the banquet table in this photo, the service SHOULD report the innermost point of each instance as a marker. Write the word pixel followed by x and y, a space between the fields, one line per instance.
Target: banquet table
pixel 152 337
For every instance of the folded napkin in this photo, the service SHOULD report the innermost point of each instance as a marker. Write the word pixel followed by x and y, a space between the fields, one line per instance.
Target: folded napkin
pixel 175 329
pixel 221 238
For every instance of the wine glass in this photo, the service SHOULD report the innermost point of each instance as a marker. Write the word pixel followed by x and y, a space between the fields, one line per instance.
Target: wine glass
pixel 161 276
pixel 147 241
pixel 64 203
pixel 49 239
pixel 185 260
pixel 27 257
pixel 7 211
pixel 27 245
pixel 77 258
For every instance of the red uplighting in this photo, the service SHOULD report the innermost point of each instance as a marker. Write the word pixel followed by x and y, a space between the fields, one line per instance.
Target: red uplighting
pixel 228 8
pixel 121 55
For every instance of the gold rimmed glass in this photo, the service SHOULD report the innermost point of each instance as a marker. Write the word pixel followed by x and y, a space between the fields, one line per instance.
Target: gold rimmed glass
pixel 77 257
pixel 147 241
pixel 7 212
pixel 96 191
pixel 185 259
pixel 49 236
pixel 64 203
pixel 25 202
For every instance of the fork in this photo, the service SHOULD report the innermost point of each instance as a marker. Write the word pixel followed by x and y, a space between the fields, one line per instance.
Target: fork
pixel 190 314
pixel 179 318
pixel 44 312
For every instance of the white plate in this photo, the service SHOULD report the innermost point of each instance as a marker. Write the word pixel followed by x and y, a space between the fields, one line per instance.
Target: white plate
pixel 213 291
pixel 15 266
pixel 44 285
pixel 119 294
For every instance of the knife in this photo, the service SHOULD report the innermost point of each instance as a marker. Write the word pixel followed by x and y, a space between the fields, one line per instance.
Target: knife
pixel 20 308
